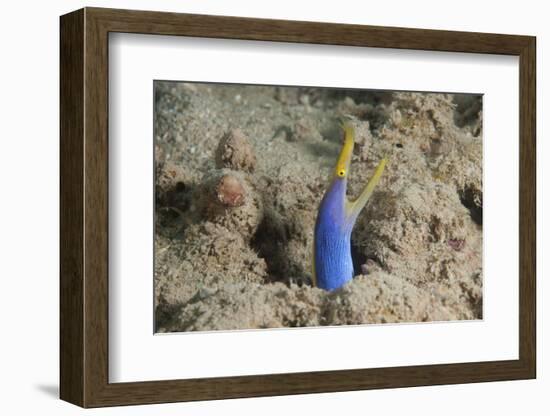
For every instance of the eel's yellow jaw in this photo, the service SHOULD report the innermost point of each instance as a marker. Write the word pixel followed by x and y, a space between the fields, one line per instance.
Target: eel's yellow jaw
pixel 355 207
pixel 342 166
pixel 341 171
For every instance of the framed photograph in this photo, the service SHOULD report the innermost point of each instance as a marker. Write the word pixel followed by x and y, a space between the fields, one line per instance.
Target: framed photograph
pixel 256 207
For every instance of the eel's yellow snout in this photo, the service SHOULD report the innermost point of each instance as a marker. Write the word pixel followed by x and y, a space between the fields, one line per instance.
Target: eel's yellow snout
pixel 342 170
pixel 344 160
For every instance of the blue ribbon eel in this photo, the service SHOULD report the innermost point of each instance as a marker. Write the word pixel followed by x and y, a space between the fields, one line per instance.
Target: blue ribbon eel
pixel 332 262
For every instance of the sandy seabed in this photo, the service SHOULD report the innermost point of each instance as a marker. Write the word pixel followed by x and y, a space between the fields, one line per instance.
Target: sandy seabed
pixel 240 172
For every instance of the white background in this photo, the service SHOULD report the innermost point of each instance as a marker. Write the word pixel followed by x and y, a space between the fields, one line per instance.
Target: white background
pixel 29 208
pixel 136 355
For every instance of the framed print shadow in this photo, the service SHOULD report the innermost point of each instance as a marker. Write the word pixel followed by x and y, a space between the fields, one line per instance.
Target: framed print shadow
pixel 254 207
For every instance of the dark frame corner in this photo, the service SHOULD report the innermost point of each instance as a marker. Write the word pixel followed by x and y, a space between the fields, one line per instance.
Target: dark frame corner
pixel 84 209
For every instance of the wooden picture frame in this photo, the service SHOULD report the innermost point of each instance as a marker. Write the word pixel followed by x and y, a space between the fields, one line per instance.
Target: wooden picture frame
pixel 84 207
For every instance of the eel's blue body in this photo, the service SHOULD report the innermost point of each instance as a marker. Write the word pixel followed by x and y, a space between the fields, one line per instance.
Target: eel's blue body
pixel 332 262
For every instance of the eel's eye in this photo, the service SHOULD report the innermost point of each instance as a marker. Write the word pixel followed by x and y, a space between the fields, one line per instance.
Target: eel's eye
pixel 341 173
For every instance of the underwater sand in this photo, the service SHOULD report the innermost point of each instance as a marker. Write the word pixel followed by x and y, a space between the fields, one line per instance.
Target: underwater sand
pixel 240 172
